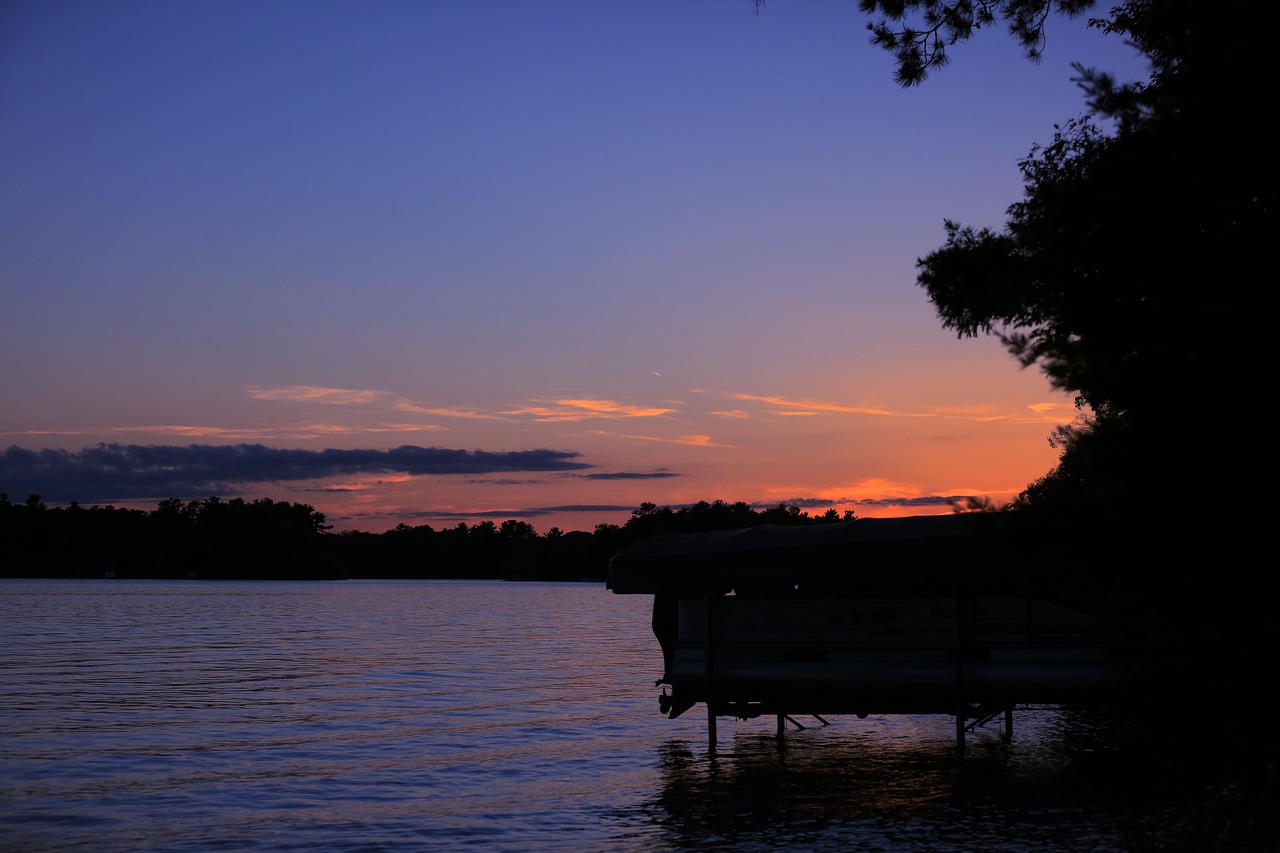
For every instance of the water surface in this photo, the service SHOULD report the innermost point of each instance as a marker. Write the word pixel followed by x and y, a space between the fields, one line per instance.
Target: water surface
pixel 366 715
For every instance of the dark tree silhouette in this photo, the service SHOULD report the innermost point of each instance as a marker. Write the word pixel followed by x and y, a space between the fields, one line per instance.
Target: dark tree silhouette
pixel 1130 273
pixel 919 33
pixel 1128 270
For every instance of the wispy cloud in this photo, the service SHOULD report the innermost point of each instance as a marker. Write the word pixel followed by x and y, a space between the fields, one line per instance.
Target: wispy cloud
pixel 359 485
pixel 277 432
pixel 1055 411
pixel 586 409
pixel 1039 413
pixel 345 429
pixel 317 394
pixel 918 501
pixel 603 475
pixel 1047 412
pixel 783 406
pixel 412 408
pixel 369 399
pixel 181 430
pixel 692 440
pixel 505 481
pixel 542 411
pixel 129 472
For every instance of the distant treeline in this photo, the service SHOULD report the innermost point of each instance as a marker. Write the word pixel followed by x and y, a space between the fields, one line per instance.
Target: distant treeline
pixel 274 540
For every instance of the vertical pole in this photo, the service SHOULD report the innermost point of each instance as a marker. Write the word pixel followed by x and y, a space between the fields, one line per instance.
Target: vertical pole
pixel 1008 723
pixel 958 668
pixel 710 673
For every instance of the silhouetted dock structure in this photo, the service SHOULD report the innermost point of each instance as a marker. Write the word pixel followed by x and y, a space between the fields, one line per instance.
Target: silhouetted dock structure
pixel 917 615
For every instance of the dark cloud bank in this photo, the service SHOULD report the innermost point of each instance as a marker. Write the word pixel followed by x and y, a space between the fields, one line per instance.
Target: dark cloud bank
pixel 110 472
pixel 628 475
pixel 823 503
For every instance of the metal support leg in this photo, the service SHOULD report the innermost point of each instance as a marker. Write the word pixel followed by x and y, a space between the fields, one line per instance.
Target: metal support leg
pixel 710 673
pixel 957 645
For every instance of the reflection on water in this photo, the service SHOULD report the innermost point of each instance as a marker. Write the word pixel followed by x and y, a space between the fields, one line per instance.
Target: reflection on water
pixel 895 783
pixel 197 716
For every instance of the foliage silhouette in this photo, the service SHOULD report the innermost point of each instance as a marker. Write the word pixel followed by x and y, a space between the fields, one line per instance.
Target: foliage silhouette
pixel 1125 274
pixel 265 539
pixel 1129 273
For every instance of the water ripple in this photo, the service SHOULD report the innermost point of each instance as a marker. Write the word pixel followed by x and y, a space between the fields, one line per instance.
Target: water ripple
pixel 189 716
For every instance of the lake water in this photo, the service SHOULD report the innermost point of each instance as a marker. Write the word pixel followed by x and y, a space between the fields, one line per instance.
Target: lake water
pixel 225 716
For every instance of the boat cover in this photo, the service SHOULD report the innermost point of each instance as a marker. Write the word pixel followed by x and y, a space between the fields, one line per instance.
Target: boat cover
pixel 819 558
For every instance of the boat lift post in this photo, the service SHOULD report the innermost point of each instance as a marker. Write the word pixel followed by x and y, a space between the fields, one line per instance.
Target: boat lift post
pixel 710 663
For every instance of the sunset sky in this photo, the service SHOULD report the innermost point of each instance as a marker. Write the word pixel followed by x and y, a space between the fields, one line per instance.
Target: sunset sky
pixel 430 262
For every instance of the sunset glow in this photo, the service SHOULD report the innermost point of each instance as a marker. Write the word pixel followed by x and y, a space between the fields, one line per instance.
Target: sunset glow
pixel 397 264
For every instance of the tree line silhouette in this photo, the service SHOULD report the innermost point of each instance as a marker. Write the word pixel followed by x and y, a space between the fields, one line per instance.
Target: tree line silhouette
pixel 265 539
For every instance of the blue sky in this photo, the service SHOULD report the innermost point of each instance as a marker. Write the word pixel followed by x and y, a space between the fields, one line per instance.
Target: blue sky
pixel 607 252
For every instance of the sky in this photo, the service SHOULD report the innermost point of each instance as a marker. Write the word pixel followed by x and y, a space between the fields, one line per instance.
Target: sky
pixel 440 262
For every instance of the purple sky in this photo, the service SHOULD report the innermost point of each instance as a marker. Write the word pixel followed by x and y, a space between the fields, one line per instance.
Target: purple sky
pixel 567 256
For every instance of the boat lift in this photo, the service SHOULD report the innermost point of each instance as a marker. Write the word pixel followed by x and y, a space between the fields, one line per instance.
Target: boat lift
pixel 917 615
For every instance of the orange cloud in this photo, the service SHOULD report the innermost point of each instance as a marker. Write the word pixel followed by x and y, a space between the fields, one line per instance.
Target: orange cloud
pixel 366 485
pixel 1041 413
pixel 556 411
pixel 880 488
pixel 369 397
pixel 1047 412
pixel 418 409
pixel 331 429
pixel 809 407
pixel 690 440
pixel 316 394
pixel 581 410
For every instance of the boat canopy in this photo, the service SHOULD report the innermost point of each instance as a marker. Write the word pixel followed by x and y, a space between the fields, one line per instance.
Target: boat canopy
pixel 820 558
